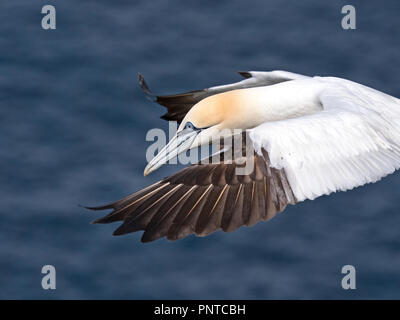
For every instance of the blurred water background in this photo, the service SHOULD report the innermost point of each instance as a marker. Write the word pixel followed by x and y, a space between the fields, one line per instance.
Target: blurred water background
pixel 73 123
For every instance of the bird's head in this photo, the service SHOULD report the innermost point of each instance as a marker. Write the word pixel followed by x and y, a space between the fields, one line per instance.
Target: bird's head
pixel 207 121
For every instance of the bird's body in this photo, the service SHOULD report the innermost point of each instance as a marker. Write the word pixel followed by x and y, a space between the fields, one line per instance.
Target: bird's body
pixel 311 136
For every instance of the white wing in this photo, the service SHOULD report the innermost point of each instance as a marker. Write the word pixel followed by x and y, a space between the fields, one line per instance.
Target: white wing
pixel 355 140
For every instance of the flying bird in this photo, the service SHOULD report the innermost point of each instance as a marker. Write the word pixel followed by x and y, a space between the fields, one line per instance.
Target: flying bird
pixel 311 136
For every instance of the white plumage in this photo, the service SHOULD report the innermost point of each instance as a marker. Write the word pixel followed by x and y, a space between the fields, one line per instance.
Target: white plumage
pixel 353 140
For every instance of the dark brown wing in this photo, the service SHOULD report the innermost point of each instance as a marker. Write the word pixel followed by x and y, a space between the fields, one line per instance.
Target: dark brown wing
pixel 179 104
pixel 203 198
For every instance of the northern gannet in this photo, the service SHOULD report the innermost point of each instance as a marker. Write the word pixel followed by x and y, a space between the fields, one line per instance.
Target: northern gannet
pixel 311 136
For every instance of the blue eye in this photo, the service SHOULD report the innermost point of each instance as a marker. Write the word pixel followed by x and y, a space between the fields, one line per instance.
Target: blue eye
pixel 189 125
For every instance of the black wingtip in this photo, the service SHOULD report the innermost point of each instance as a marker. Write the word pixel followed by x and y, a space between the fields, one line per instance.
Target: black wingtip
pixel 108 206
pixel 95 221
pixel 167 117
pixel 145 87
pixel 102 220
pixel 245 74
pixel 147 237
pixel 125 228
pixel 120 231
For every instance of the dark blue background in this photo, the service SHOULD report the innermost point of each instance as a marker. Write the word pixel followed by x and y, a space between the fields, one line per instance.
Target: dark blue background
pixel 73 123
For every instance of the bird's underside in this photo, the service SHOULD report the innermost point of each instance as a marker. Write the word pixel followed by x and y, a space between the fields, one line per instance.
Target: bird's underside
pixel 351 138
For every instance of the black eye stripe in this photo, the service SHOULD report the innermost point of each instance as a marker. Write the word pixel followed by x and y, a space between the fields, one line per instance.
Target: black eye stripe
pixel 190 126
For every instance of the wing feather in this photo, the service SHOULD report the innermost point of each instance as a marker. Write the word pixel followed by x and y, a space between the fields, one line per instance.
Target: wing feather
pixel 354 140
pixel 201 199
pixel 179 104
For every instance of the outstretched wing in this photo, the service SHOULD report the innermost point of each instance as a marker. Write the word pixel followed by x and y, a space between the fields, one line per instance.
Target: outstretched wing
pixel 355 140
pixel 179 104
pixel 203 198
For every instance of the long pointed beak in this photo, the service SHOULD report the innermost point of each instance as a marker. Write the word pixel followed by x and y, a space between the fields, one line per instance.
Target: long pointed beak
pixel 181 142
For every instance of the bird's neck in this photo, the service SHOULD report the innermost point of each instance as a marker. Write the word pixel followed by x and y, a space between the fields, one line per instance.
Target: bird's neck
pixel 250 107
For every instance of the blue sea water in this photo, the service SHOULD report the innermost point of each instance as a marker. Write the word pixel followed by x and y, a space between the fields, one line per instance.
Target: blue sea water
pixel 73 123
